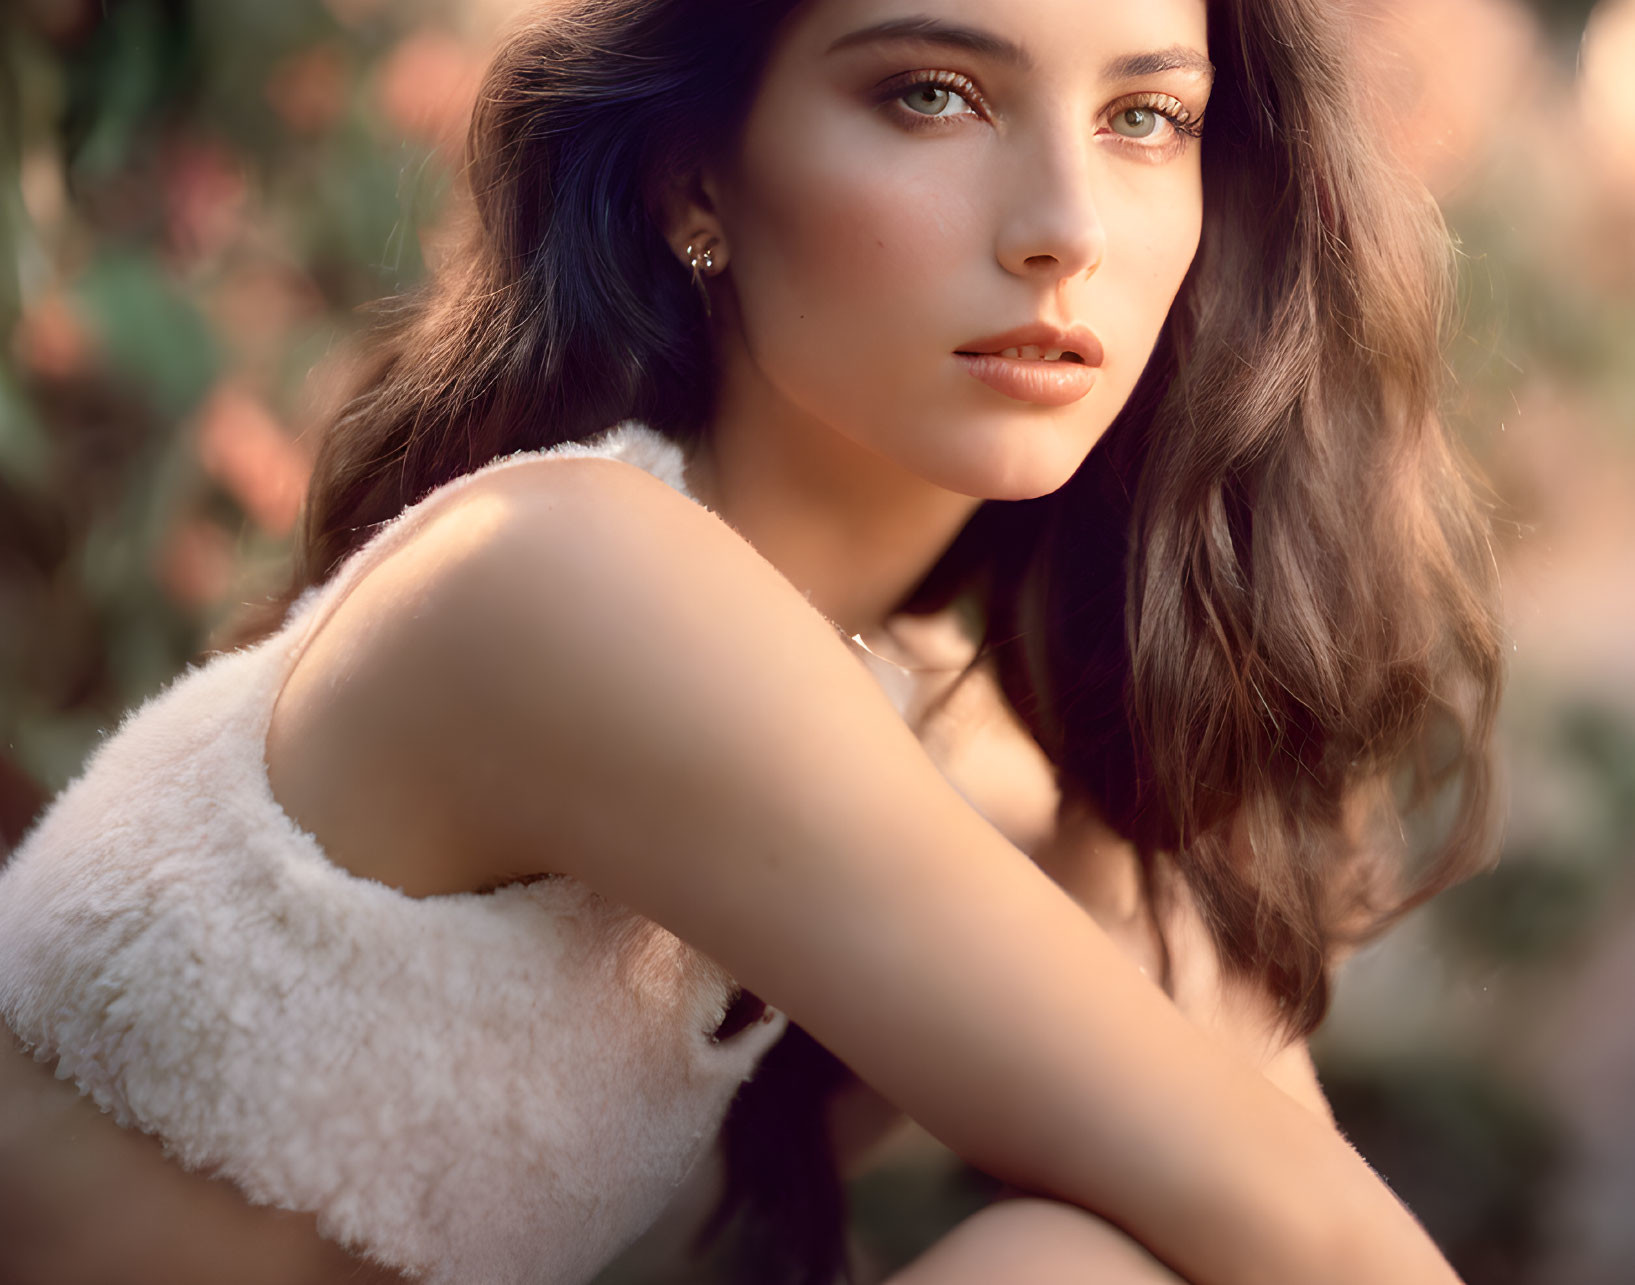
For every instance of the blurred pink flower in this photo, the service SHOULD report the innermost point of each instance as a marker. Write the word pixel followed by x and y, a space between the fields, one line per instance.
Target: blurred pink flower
pixel 44 187
pixel 354 13
pixel 195 564
pixel 205 198
pixel 1451 75
pixel 308 89
pixel 425 87
pixel 63 20
pixel 1606 92
pixel 255 305
pixel 53 339
pixel 244 448
pixel 1570 577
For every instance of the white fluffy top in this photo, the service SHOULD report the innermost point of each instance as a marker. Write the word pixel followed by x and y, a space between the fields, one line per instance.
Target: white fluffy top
pixel 474 1088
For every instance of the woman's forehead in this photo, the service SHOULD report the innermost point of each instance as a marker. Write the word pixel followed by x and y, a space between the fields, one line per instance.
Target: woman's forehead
pixel 1083 40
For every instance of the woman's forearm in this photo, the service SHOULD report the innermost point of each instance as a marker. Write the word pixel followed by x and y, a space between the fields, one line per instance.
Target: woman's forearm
pixel 1136 1117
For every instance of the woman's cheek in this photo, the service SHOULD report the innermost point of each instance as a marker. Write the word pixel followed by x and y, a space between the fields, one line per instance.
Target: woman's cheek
pixel 1175 231
pixel 848 284
pixel 880 237
pixel 1153 255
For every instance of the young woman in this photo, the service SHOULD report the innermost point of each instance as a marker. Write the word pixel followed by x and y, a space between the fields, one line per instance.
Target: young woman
pixel 443 922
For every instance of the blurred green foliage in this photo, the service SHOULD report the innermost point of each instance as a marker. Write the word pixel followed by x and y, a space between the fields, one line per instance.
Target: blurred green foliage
pixel 164 158
pixel 1469 1155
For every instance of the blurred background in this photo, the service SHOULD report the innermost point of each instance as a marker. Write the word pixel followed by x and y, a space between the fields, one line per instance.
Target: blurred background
pixel 198 196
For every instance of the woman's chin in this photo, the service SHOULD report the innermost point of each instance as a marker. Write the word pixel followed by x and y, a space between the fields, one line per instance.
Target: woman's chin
pixel 1019 463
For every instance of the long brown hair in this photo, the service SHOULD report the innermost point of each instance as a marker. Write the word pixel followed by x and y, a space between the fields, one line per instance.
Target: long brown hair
pixel 1257 628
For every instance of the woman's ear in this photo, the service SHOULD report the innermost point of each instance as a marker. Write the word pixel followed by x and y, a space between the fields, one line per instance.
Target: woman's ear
pixel 686 208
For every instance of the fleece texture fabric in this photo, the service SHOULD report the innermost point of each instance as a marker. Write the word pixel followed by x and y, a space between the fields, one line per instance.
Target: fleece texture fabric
pixel 498 1087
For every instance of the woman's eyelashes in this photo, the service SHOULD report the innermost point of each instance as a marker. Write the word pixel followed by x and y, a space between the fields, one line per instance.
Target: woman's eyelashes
pixel 1139 115
pixel 1154 125
pixel 929 94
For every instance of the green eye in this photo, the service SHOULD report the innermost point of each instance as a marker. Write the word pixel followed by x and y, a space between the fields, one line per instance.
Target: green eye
pixel 930 99
pixel 1135 122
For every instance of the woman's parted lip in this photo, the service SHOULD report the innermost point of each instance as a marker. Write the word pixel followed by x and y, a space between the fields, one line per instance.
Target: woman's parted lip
pixel 1048 383
pixel 1077 339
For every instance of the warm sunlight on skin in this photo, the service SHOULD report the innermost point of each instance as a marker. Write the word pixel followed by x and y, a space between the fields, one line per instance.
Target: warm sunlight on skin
pixel 897 200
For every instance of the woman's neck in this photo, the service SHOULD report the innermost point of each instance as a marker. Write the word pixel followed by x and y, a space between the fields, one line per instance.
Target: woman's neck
pixel 850 529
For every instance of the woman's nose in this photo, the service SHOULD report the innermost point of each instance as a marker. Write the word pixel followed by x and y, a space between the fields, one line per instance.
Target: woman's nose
pixel 1053 226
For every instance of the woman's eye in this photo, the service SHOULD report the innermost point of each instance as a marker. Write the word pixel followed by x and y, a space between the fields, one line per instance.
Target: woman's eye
pixel 1158 124
pixel 1136 122
pixel 919 98
pixel 929 99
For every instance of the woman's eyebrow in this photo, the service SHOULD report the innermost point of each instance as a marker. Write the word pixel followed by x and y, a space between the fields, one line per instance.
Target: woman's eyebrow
pixel 935 31
pixel 1175 58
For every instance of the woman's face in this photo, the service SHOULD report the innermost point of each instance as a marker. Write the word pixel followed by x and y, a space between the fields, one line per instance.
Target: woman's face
pixel 898 199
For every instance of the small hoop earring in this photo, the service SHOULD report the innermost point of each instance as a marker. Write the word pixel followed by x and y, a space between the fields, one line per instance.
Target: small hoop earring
pixel 705 260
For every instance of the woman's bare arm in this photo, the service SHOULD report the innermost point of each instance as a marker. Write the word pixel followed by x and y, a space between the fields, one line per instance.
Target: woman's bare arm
pixel 580 671
pixel 1104 874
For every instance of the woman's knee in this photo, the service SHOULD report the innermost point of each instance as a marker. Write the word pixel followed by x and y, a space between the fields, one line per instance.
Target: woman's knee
pixel 1032 1241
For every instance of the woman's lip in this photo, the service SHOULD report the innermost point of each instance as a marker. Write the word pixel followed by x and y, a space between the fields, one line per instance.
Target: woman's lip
pixel 1028 379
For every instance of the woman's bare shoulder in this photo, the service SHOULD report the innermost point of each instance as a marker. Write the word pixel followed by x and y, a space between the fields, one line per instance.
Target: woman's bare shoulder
pixel 480 638
pixel 597 522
